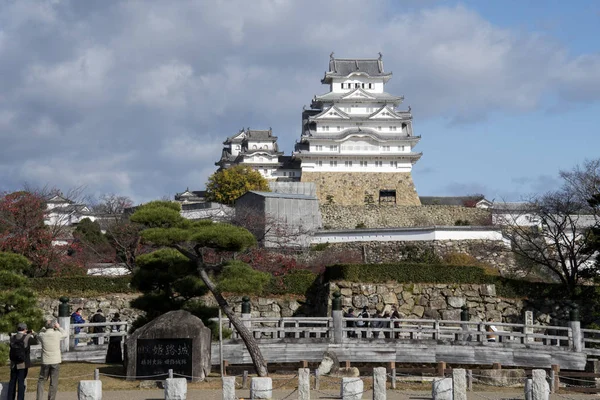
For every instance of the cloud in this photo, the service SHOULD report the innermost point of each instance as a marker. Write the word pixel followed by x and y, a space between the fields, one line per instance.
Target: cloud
pixel 136 97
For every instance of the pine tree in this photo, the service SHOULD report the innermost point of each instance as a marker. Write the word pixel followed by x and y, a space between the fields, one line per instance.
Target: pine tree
pixel 18 303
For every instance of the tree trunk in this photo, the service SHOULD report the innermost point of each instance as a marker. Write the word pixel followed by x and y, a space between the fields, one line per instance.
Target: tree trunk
pixel 257 358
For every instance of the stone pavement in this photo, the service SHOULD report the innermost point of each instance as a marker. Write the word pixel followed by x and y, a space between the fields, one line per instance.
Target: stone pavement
pixel 156 394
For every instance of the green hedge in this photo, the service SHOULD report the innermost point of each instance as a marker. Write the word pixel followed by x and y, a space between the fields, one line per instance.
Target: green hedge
pixel 407 272
pixel 82 284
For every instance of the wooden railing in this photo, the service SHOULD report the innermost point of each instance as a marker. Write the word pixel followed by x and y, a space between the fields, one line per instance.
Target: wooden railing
pixel 108 331
pixel 411 329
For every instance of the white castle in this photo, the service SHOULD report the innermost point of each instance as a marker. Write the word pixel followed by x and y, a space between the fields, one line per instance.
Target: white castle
pixel 355 143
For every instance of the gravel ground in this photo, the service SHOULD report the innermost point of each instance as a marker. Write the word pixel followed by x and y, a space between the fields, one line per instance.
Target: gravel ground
pixel 289 394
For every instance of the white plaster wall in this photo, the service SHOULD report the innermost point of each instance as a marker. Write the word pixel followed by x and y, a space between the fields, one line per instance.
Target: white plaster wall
pixel 406 234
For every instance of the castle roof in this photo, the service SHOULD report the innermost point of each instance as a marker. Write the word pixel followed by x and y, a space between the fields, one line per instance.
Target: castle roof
pixel 344 67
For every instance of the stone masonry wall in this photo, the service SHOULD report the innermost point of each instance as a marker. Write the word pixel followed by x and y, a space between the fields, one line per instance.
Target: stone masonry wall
pixel 350 188
pixel 444 301
pixel 339 216
pixel 435 301
pixel 493 253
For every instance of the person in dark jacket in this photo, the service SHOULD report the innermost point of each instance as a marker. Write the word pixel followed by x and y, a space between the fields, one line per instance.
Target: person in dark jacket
pixel 114 354
pixel 98 318
pixel 76 318
pixel 350 324
pixel 18 370
pixel 376 325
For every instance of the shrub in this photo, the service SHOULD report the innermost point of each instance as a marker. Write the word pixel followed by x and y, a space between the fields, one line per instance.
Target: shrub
pixel 4 350
pixel 462 222
pixel 460 259
pixel 416 254
pixel 81 284
pixel 360 225
pixel 320 246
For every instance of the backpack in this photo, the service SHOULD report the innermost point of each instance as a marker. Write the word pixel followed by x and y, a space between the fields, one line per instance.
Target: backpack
pixel 18 353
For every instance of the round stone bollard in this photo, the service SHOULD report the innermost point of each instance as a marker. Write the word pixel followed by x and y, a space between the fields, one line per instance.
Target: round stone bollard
pixel 89 390
pixel 441 389
pixel 352 389
pixel 261 388
pixel 175 388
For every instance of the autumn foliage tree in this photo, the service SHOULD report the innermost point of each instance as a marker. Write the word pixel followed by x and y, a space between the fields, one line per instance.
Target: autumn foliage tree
pixel 22 231
pixel 166 228
pixel 226 185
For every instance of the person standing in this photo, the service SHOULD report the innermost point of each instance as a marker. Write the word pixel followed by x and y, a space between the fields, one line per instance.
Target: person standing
pixel 98 318
pixel 376 325
pixel 350 324
pixel 491 337
pixel 20 361
pixel 114 354
pixel 76 318
pixel 50 337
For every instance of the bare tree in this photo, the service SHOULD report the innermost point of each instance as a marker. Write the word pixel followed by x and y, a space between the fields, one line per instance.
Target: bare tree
pixel 112 204
pixel 552 231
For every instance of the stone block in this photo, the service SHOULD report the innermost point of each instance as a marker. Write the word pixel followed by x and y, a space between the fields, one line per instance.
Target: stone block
pixel 4 390
pixel 379 382
pixel 418 311
pixel 352 389
pixel 261 388
pixel 303 384
pixel 89 390
pixel 175 388
pixel 459 384
pixel 390 298
pixel 488 290
pixel 456 302
pixel 540 386
pixel 441 389
pixel 229 388
pixel 329 364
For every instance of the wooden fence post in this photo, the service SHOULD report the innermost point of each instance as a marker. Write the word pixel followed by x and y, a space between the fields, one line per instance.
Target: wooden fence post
pixel 441 366
pixel 244 379
pixel 392 367
pixel 555 375
pixel 470 380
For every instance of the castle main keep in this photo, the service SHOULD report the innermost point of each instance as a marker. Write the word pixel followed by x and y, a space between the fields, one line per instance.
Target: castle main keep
pixel 356 145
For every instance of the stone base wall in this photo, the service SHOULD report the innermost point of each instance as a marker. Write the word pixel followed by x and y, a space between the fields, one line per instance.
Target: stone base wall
pixel 338 216
pixel 444 301
pixel 350 188
pixel 109 304
pixel 494 253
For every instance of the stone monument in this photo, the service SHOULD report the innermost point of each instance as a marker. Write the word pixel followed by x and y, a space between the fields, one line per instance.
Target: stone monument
pixel 176 340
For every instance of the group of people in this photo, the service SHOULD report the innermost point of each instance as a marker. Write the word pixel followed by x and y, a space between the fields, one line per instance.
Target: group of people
pixel 50 337
pixel 491 335
pixel 374 325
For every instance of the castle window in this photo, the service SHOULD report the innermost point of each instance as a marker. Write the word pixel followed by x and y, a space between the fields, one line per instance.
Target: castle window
pixel 339 128
pixel 385 148
pixel 254 147
pixel 401 148
pixel 320 163
pixel 357 85
pixel 348 163
pixel 326 128
pixel 284 173
pixel 333 147
pixel 266 171
pixel 393 128
pixel 370 86
pixel 378 128
pixel 363 163
pixel 363 85
pixel 342 85
pixel 393 163
pixel 387 196
pixel 379 163
pixel 319 147
pixel 333 163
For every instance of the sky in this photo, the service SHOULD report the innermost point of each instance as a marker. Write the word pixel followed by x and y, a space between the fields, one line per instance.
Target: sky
pixel 136 97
